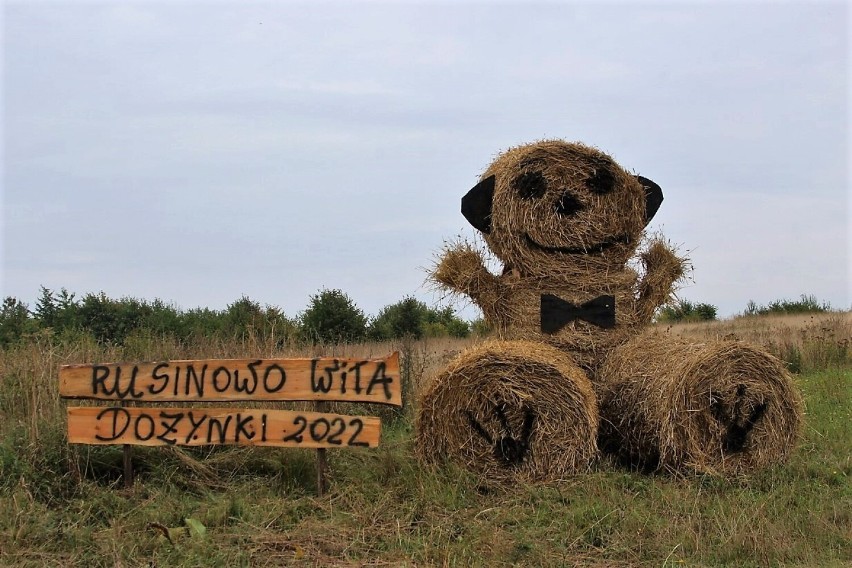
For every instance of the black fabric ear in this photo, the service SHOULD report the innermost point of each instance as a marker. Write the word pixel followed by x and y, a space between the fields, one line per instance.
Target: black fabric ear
pixel 653 198
pixel 476 205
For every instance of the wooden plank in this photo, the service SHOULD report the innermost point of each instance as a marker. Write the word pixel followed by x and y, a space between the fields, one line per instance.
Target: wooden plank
pixel 332 379
pixel 143 426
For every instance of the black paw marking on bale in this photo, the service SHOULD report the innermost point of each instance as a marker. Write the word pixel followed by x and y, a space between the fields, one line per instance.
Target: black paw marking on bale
pixel 508 449
pixel 738 426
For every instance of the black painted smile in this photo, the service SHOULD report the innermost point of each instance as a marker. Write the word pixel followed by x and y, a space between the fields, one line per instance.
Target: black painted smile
pixel 593 249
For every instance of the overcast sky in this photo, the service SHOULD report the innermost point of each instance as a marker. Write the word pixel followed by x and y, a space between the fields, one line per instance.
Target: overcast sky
pixel 200 151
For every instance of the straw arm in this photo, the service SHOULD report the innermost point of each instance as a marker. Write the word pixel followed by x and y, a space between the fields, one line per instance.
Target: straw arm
pixel 462 269
pixel 663 269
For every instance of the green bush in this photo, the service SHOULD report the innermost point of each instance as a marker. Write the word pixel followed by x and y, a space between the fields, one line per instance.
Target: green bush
pixel 806 304
pixel 111 321
pixel 246 317
pixel 405 318
pixel 15 321
pixel 686 311
pixel 412 318
pixel 445 322
pixel 332 317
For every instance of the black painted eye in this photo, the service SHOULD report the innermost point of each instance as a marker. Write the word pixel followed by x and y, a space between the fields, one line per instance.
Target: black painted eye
pixel 530 185
pixel 601 182
pixel 568 205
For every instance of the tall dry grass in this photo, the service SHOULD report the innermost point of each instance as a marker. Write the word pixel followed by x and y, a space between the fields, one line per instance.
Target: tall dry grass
pixel 29 399
pixel 805 342
pixel 29 396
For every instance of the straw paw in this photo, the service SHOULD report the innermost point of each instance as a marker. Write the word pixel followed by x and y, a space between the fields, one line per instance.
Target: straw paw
pixel 509 449
pixel 737 422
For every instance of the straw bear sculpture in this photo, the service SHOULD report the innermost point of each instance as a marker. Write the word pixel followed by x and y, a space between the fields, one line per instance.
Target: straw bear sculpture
pixel 571 366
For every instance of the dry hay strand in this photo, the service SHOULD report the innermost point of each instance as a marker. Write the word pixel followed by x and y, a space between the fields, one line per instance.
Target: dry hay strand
pixel 723 407
pixel 511 411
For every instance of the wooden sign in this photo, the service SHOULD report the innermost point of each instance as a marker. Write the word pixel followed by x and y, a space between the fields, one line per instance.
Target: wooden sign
pixel 329 379
pixel 229 380
pixel 217 426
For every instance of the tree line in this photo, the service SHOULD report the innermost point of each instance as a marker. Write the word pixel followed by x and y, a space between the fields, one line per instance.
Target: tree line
pixel 686 311
pixel 330 317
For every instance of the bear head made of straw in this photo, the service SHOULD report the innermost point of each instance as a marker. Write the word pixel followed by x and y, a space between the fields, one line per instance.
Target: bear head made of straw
pixel 564 219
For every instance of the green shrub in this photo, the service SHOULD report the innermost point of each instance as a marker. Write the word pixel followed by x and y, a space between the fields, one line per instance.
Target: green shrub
pixel 404 318
pixel 332 317
pixel 445 322
pixel 806 304
pixel 412 318
pixel 111 321
pixel 15 321
pixel 686 311
pixel 246 317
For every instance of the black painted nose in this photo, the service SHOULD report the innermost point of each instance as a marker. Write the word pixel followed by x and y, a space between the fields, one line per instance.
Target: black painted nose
pixel 568 205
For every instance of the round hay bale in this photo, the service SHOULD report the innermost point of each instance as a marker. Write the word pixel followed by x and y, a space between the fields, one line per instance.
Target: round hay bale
pixel 511 411
pixel 721 407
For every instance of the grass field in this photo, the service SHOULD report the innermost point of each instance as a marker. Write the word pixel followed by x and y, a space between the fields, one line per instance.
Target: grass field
pixel 64 505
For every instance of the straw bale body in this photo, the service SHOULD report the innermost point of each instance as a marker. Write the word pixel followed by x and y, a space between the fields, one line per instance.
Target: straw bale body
pixel 722 407
pixel 512 305
pixel 512 411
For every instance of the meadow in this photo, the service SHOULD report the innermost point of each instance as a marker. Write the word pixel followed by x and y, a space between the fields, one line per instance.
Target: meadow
pixel 66 505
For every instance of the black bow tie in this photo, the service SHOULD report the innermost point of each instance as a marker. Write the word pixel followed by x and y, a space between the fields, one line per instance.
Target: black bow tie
pixel 556 312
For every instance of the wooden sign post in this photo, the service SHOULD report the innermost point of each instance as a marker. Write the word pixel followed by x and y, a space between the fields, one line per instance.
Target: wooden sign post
pixel 136 385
